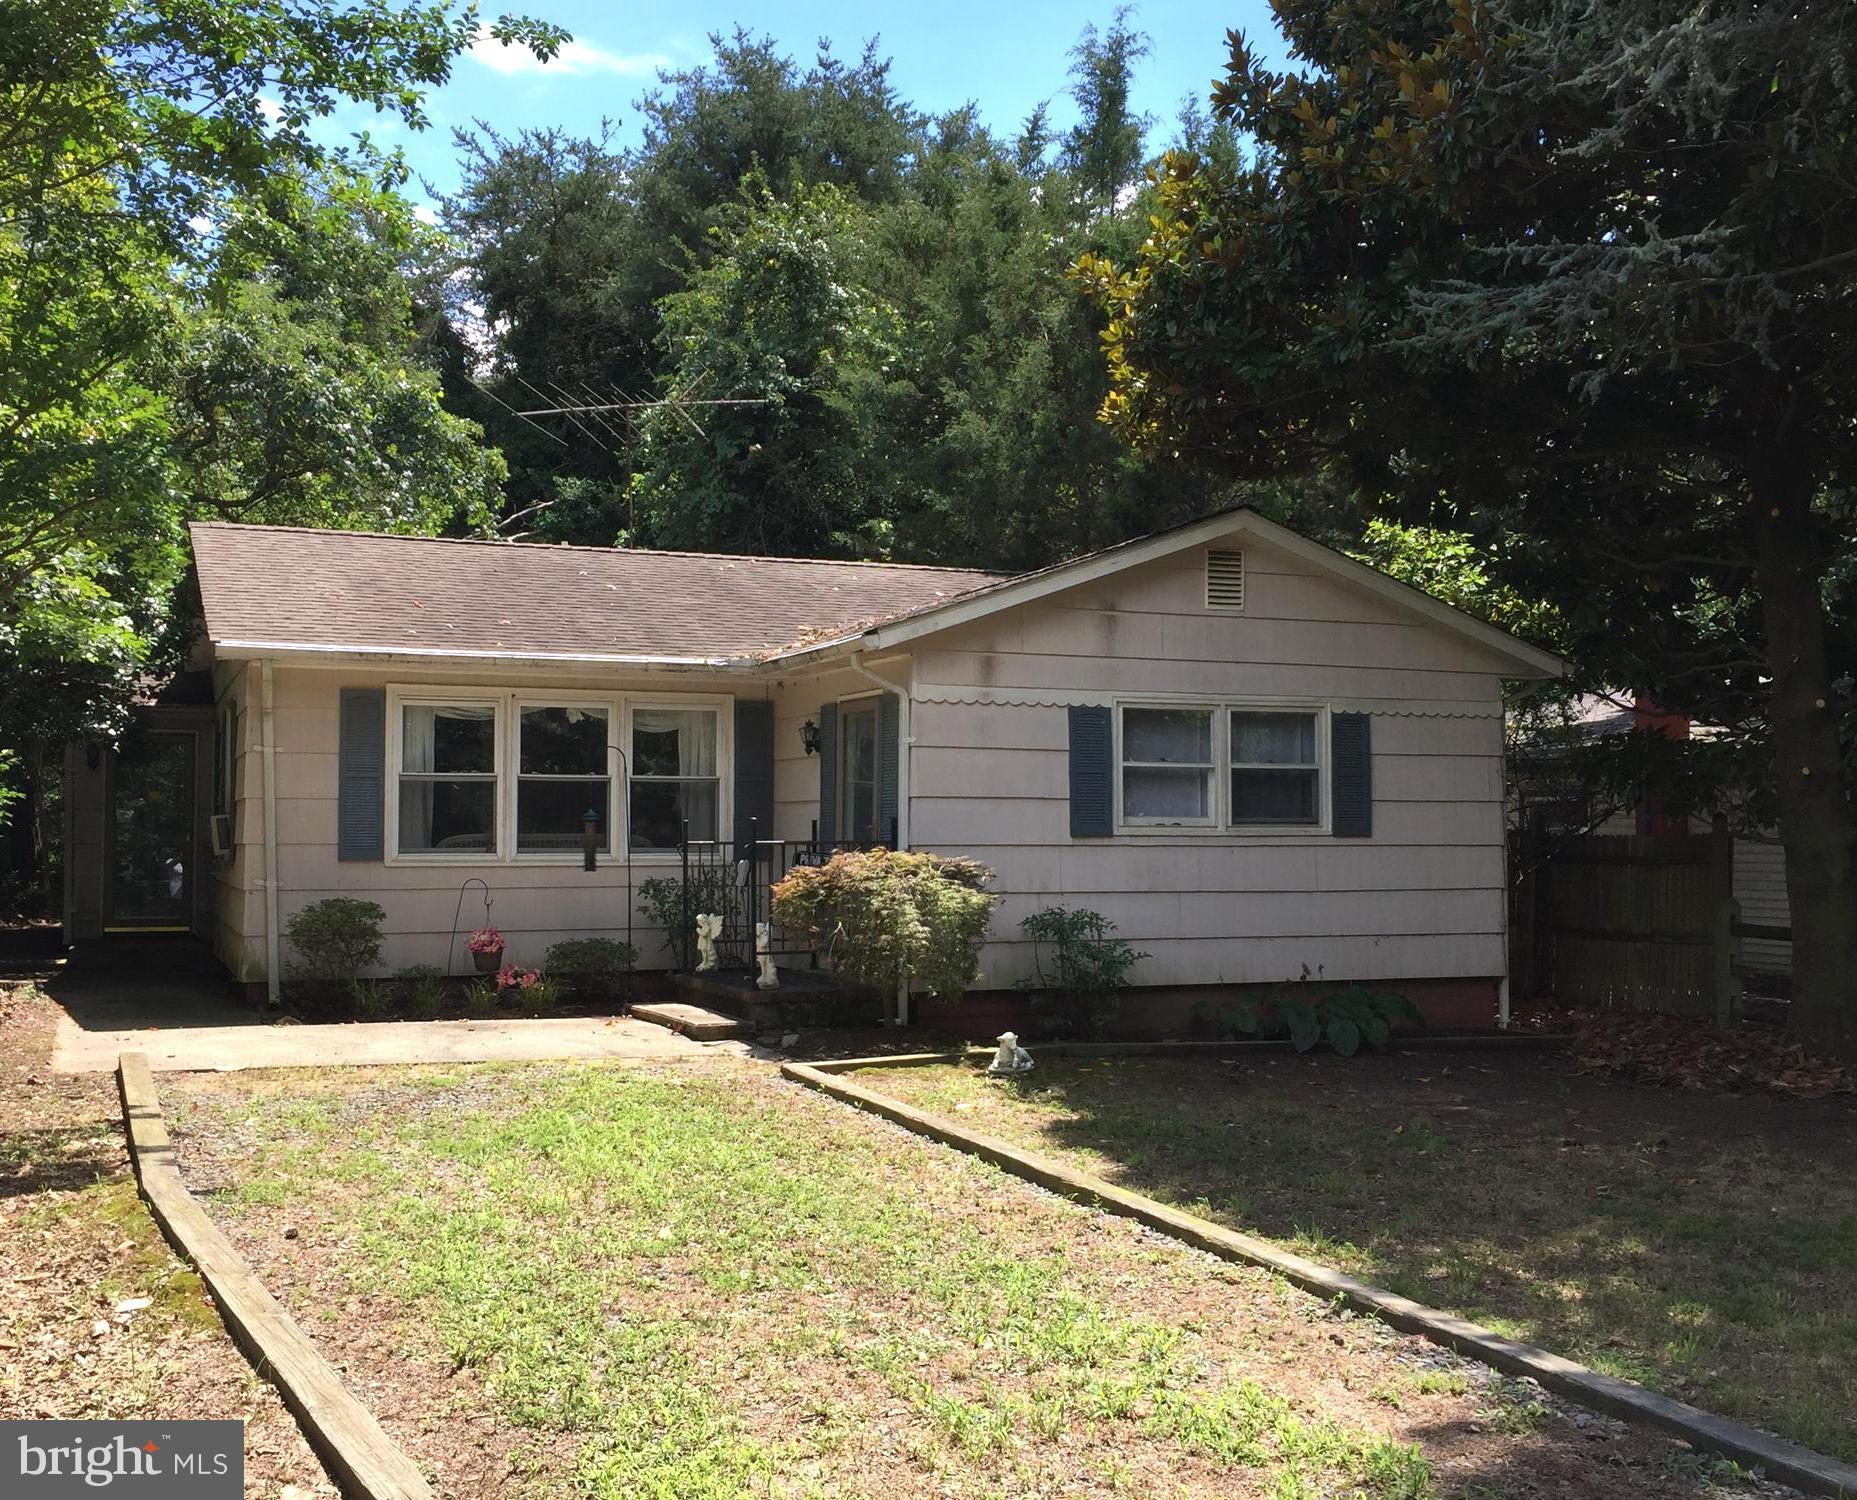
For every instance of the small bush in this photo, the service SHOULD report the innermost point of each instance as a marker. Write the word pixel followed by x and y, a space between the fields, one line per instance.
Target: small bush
pixel 882 915
pixel 1345 1018
pixel 422 990
pixel 591 968
pixel 480 998
pixel 668 903
pixel 1082 991
pixel 335 938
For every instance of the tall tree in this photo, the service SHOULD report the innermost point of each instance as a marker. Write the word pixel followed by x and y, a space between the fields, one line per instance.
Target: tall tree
pixel 200 311
pixel 1577 278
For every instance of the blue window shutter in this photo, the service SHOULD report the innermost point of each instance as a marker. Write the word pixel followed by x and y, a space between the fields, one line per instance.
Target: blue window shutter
pixel 889 759
pixel 828 772
pixel 1092 772
pixel 754 772
pixel 361 776
pixel 1351 746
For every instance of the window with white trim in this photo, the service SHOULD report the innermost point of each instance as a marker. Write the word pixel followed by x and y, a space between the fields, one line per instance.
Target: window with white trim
pixel 1276 768
pixel 563 773
pixel 675 775
pixel 447 777
pixel 1167 765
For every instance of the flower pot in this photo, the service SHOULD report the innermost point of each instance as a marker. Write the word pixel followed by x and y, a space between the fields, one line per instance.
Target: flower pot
pixel 488 960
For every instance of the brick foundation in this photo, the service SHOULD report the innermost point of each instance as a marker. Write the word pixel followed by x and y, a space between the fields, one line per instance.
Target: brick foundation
pixel 1152 1013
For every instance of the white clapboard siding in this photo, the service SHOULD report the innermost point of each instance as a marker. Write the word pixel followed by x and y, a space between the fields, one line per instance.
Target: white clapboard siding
pixel 1423 898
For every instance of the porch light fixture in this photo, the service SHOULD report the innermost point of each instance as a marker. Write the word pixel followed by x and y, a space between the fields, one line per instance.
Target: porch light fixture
pixel 809 737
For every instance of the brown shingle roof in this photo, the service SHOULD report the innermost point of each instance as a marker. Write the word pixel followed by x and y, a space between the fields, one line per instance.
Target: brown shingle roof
pixel 358 591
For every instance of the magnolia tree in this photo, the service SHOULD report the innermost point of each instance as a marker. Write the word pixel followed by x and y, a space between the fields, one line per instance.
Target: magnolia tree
pixel 1577 279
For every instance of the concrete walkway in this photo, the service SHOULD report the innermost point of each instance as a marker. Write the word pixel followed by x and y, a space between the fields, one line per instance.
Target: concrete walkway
pixel 184 1049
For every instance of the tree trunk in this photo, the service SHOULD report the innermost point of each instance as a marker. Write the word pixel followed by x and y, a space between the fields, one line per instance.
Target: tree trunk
pixel 1815 820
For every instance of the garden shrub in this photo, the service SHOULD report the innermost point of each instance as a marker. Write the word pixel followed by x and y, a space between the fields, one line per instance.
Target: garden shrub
pixel 883 914
pixel 422 990
pixel 591 967
pixel 1345 1018
pixel 335 938
pixel 667 903
pixel 1082 991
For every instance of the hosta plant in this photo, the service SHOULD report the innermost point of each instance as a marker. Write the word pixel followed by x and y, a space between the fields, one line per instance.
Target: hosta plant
pixel 1346 1018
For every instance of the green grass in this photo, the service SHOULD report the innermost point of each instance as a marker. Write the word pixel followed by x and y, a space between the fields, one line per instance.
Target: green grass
pixel 708 1288
pixel 1711 1263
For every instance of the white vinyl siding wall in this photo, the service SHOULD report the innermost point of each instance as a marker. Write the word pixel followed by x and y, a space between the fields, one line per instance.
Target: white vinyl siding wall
pixel 1421 899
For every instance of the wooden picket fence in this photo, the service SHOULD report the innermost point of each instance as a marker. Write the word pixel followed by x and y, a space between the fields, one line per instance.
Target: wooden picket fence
pixel 1627 922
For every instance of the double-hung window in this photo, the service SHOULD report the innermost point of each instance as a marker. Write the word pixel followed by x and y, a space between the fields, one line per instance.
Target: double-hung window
pixel 675 776
pixel 1167 765
pixel 448 778
pixel 563 772
pixel 1221 765
pixel 1276 772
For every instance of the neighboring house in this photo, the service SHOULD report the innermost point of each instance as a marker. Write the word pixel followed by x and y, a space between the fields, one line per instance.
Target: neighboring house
pixel 1254 755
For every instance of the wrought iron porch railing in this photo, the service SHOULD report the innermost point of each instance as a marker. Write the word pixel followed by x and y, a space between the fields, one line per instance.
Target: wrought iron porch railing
pixel 735 880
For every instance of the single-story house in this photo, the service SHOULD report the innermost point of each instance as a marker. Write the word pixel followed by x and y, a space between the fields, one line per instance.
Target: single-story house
pixel 1256 756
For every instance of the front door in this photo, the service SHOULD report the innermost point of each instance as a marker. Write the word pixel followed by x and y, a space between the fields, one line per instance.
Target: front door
pixel 149 864
pixel 857 773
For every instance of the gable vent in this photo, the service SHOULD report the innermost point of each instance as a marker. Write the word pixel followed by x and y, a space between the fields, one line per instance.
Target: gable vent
pixel 1224 580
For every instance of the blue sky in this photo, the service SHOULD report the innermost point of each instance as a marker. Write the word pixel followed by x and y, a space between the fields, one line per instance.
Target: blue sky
pixel 1006 55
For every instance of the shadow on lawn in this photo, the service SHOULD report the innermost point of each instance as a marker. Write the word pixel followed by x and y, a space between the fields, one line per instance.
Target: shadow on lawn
pixel 1704 1245
pixel 56 1161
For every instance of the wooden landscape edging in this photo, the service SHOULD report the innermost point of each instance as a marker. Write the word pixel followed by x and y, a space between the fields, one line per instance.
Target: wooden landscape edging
pixel 1789 1462
pixel 362 1459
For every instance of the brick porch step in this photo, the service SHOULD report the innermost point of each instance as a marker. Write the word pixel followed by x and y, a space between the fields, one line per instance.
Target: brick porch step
pixel 697 1022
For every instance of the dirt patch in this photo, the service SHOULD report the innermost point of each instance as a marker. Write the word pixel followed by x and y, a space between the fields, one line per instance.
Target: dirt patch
pixel 80 1253
pixel 696 1279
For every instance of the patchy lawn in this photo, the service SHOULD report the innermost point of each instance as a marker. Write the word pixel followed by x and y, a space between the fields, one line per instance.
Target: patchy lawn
pixel 1704 1245
pixel 696 1280
pixel 98 1318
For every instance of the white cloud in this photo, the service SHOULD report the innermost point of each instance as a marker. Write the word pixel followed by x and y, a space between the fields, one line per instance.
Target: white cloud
pixel 425 213
pixel 575 57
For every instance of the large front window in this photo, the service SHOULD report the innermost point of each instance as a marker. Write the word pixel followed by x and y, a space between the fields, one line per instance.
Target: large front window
pixel 562 774
pixel 503 775
pixel 448 778
pixel 675 777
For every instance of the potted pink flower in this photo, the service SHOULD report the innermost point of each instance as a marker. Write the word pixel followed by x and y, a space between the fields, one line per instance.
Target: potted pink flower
pixel 515 977
pixel 487 945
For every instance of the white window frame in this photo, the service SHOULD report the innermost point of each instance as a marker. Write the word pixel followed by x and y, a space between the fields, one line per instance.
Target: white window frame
pixel 1320 822
pixel 1219 824
pixel 398 701
pixel 509 703
pixel 520 701
pixel 725 764
pixel 1210 767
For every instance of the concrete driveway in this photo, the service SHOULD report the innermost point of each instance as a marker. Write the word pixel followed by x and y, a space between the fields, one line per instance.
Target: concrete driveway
pixel 185 1049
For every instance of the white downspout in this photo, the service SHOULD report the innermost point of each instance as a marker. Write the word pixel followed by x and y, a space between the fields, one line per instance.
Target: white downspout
pixel 268 698
pixel 907 742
